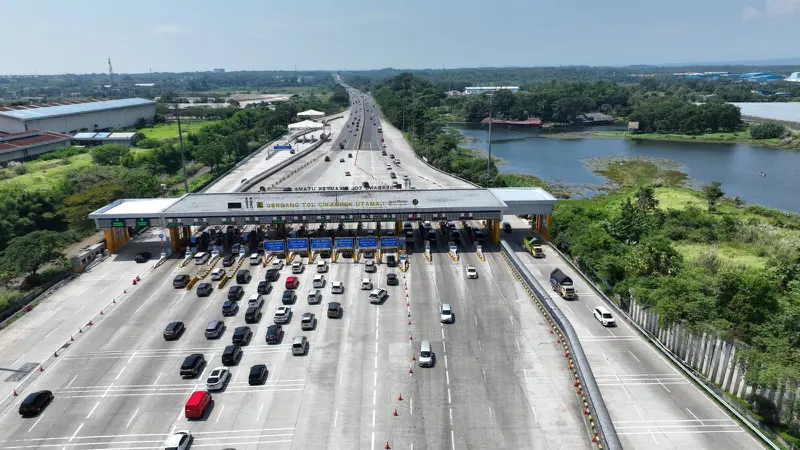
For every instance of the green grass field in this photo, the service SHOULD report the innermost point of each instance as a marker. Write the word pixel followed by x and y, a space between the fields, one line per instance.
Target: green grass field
pixel 741 137
pixel 731 254
pixel 47 174
pixel 170 130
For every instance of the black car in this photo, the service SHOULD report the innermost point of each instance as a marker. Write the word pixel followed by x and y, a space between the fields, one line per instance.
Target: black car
pixel 252 315
pixel 289 297
pixel 204 289
pixel 242 335
pixel 180 281
pixel 142 257
pixel 327 159
pixel 392 280
pixel 192 365
pixel 347 253
pixel 243 276
pixel 229 308
pixel 173 331
pixel 273 275
pixel 35 403
pixel 228 260
pixel 274 334
pixel 264 287
pixel 235 293
pixel 214 329
pixel 391 261
pixel 334 310
pixel 231 355
pixel 325 254
pixel 258 375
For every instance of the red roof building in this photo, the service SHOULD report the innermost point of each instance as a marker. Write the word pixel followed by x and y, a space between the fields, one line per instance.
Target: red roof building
pixel 27 144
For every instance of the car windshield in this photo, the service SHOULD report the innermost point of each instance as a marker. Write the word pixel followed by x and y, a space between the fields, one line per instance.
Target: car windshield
pixel 606 316
pixel 425 354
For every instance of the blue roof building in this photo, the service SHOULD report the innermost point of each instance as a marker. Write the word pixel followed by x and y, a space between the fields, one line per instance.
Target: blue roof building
pixel 75 117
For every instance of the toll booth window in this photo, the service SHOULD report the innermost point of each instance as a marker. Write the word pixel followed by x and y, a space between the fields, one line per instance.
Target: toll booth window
pixel 234 205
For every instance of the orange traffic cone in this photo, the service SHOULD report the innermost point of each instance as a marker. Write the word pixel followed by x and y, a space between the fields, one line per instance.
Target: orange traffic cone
pixel 409 321
pixel 400 398
pixel 71 339
pixel 101 312
pixel 90 323
pixel 414 358
pixel 15 393
pixel 410 371
pixel 137 278
pixel 410 337
pixel 409 314
pixel 134 281
pixel 387 446
pixel 41 368
pixel 395 412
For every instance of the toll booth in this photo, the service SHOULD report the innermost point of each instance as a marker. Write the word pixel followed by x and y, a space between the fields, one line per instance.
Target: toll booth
pixel 389 244
pixel 319 245
pixel 87 256
pixel 366 243
pixel 273 247
pixel 342 244
pixel 297 246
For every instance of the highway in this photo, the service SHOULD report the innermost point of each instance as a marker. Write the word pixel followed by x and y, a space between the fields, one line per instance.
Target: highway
pixel 500 380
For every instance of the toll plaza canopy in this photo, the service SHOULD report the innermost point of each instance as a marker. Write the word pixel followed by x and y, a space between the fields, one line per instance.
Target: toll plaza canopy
pixel 321 206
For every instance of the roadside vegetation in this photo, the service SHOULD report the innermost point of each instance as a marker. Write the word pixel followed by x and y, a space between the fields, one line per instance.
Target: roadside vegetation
pixel 700 260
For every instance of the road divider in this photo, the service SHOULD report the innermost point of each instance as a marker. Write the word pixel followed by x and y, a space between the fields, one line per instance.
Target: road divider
pixel 223 281
pixel 596 416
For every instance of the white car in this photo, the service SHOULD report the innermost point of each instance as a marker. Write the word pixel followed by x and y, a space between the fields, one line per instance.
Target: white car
pixel 366 284
pixel 322 266
pixel 314 296
pixel 319 281
pixel 179 440
pixel 277 264
pixel 604 316
pixel 472 272
pixel 377 296
pixel 282 314
pixel 446 313
pixel 217 274
pixel 217 378
pixel 337 287
pixel 256 300
pixel 297 267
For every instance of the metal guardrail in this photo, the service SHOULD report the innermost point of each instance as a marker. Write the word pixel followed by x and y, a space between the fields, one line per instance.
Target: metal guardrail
pixel 690 372
pixel 265 174
pixel 607 432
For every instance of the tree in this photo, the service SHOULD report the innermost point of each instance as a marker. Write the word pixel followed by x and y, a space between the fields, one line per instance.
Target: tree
pixel 109 155
pixel 24 255
pixel 646 199
pixel 712 192
pixel 767 130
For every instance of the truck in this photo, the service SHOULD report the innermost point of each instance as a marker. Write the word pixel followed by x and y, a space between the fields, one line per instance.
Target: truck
pixel 533 244
pixel 562 284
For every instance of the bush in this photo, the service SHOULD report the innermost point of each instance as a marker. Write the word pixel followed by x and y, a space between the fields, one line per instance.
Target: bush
pixel 148 143
pixel 63 153
pixel 17 168
pixel 767 131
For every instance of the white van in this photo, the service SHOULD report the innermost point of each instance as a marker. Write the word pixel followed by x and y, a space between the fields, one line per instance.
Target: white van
pixel 299 345
pixel 201 258
pixel 319 281
pixel 426 355
pixel 217 274
pixel 255 258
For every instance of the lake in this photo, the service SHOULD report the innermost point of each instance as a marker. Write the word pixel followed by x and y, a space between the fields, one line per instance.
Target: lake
pixel 736 166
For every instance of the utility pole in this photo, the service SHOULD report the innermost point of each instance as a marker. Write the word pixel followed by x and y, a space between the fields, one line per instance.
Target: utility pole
pixel 404 106
pixel 180 139
pixel 489 162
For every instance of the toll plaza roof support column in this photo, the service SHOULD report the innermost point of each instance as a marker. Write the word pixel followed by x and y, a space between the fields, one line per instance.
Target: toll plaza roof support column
pixel 116 238
pixel 175 238
pixel 282 230
pixel 495 230
pixel 543 224
pixel 187 235
pixel 398 227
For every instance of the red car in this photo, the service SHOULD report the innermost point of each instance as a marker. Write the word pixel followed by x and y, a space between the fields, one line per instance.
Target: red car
pixel 381 139
pixel 292 282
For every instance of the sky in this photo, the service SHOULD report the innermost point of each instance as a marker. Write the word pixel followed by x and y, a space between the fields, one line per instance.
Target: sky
pixel 77 36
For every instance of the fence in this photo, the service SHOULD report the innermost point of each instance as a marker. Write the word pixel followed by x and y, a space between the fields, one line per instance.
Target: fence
pixel 706 359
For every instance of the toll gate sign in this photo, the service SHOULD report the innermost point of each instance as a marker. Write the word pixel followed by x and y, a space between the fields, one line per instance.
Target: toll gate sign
pixel 389 242
pixel 297 244
pixel 320 244
pixel 344 243
pixel 274 246
pixel 367 242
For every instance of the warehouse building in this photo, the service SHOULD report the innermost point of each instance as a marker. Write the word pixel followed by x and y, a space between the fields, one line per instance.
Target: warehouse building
pixel 478 90
pixel 90 139
pixel 28 144
pixel 75 117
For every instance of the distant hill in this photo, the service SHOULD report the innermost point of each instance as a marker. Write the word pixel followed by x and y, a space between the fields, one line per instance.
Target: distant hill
pixel 750 63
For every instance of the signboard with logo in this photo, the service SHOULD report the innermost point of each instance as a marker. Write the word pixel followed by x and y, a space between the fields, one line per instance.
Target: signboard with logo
pixel 118 223
pixel 199 222
pixel 297 244
pixel 367 242
pixel 275 246
pixel 389 242
pixel 344 242
pixel 320 244
pixel 282 147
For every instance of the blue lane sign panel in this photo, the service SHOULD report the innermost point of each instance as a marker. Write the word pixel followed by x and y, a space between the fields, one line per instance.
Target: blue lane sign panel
pixel 161 236
pixel 283 147
pixel 274 246
pixel 298 244
pixel 321 244
pixel 367 242
pixel 388 242
pixel 344 242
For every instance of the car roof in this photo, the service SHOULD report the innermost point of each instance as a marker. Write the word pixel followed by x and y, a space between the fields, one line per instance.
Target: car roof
pixel 333 304
pixel 446 306
pixel 213 323
pixel 281 308
pixel 258 367
pixel 298 339
pixel 308 315
pixel 242 329
pixel 338 283
pixel 291 278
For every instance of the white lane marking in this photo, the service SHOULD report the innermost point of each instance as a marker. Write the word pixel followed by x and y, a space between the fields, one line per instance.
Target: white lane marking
pixel 451 415
pixel 447 375
pixel 476 321
pixel 71 381
pixel 92 411
pixel 662 385
pixel 345 345
pixel 134 415
pixel 449 399
pixel 132 356
pixel 76 432
pixel 373 439
pixel 634 356
pixel 535 419
pixel 525 372
pixel 373 418
pixel 259 413
pixel 512 320
pixel 375 379
pixel 34 424
pixel 376 335
pixel 588 333
pixel 453 439
pixel 235 376
pixel 108 389
pixel 445 361
pixel 484 375
pixel 374 396
pixel 376 347
pixel 518 349
pixel 696 418
pixel 490 412
pixel 341 377
pixel 442 333
pixel 120 373
pixel 79 310
pixel 335 416
pixel 648 428
pixel 155 382
pixel 48 334
pixel 55 310
pixel 480 347
pixel 220 412
pixel 444 345
pixel 411 405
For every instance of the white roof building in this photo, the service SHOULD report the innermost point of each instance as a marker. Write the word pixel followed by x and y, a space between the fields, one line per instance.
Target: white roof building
pixel 311 113
pixel 305 125
pixel 478 90
pixel 794 77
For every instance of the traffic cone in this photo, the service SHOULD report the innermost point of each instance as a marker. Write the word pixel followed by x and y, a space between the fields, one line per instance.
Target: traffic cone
pixel 387 446
pixel 409 314
pixel 41 368
pixel 90 323
pixel 395 412
pixel 55 354
pixel 71 339
pixel 409 321
pixel 125 291
pixel 138 279
pixel 410 337
pixel 101 312
pixel 400 398
pixel 407 303
pixel 113 300
pixel 414 358
pixel 80 330
pixel 134 281
pixel 15 393
pixel 410 371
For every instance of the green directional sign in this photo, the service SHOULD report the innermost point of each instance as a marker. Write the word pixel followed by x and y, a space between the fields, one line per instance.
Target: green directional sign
pixel 118 223
pixel 228 221
pixel 174 223
pixel 200 222
pixel 142 222
pixel 277 220
pixel 415 202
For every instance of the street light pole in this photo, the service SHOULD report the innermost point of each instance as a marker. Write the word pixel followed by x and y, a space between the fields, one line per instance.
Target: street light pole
pixel 489 162
pixel 404 107
pixel 183 156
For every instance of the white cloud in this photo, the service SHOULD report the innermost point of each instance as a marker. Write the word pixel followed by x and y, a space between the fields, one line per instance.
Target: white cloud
pixel 750 13
pixel 169 29
pixel 778 8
